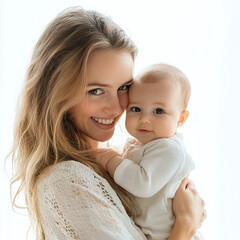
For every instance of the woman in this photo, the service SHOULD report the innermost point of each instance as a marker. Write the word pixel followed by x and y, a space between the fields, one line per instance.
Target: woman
pixel 75 91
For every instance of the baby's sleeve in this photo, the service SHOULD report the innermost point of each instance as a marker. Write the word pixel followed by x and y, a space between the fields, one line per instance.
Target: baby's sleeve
pixel 159 164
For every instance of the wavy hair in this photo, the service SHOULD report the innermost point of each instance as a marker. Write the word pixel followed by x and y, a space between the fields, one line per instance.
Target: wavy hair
pixel 44 132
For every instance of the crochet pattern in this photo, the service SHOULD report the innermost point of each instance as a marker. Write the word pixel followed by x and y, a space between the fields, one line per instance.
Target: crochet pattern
pixel 76 203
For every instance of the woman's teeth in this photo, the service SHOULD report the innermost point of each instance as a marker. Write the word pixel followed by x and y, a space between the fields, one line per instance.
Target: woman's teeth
pixel 103 121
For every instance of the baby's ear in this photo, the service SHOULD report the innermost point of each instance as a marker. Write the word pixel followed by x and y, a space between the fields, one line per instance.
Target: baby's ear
pixel 183 117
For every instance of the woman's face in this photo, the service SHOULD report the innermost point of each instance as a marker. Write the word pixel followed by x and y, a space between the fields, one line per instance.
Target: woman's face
pixel 109 75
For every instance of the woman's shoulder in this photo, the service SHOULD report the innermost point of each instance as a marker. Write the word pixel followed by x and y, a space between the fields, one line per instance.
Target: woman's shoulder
pixel 69 171
pixel 72 167
pixel 72 177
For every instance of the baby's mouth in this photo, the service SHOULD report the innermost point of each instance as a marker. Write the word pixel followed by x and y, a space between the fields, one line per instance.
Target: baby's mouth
pixel 144 130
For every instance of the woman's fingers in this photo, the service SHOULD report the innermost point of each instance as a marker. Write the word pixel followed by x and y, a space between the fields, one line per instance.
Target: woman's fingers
pixel 184 183
pixel 188 184
pixel 191 186
pixel 204 216
pixel 187 204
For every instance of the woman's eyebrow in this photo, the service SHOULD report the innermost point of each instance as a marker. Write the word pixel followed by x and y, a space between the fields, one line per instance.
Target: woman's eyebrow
pixel 128 82
pixel 107 85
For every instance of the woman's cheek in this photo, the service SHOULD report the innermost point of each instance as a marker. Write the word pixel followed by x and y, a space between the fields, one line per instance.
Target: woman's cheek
pixel 123 99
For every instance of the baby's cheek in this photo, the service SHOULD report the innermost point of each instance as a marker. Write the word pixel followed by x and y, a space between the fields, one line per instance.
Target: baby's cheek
pixel 130 123
pixel 170 128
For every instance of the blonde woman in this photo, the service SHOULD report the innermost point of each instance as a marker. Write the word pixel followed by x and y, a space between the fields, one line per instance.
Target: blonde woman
pixel 75 91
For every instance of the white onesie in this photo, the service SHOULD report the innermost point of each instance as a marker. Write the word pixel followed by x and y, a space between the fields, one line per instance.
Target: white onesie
pixel 153 173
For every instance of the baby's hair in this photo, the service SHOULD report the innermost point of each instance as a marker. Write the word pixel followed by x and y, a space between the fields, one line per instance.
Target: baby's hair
pixel 159 72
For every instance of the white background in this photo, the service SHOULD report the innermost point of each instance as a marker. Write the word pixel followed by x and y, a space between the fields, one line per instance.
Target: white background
pixel 200 37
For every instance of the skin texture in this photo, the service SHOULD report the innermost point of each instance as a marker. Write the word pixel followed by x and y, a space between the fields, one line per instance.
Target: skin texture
pixel 154 110
pixel 109 73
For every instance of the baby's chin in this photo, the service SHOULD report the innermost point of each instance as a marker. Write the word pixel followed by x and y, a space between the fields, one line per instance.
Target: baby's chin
pixel 143 141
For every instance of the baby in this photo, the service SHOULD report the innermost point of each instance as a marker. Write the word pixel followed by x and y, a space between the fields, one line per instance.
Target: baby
pixel 155 162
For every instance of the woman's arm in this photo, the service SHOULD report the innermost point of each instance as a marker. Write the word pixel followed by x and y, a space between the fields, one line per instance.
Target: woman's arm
pixel 188 208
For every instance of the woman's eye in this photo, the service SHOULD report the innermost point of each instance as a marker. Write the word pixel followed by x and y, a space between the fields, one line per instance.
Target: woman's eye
pixel 135 109
pixel 96 91
pixel 158 111
pixel 125 87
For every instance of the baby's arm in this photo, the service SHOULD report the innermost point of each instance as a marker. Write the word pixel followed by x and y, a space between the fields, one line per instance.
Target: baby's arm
pixel 109 160
pixel 159 164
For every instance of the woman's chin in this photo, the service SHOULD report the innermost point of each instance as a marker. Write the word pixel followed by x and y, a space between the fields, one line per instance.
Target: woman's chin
pixel 103 137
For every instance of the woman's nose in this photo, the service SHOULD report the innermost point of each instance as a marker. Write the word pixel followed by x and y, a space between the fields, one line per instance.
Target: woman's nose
pixel 113 106
pixel 144 119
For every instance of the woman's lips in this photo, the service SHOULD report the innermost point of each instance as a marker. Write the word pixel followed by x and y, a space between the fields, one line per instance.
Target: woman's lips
pixel 104 126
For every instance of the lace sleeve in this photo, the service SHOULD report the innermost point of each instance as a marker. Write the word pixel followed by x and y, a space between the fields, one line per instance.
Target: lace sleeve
pixel 76 203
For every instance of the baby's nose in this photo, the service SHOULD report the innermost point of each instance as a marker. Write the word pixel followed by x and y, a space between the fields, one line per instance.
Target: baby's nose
pixel 144 120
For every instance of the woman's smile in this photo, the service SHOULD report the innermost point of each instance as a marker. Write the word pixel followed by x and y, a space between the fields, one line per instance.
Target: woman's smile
pixel 104 123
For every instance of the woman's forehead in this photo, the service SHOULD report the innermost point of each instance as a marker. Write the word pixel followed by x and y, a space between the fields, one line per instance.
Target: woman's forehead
pixel 108 67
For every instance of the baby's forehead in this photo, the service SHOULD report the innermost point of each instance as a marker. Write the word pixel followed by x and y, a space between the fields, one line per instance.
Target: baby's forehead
pixel 154 91
pixel 154 83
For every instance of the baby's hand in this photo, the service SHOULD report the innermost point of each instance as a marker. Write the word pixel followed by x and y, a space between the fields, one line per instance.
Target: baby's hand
pixel 103 156
pixel 130 144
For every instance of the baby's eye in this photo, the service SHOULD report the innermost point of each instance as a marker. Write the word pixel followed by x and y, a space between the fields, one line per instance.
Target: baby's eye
pixel 158 111
pixel 96 91
pixel 125 87
pixel 135 109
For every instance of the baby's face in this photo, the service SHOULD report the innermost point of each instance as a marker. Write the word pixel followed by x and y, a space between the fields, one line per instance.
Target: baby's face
pixel 154 110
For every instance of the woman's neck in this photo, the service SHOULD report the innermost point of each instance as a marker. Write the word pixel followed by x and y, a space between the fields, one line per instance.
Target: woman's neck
pixel 93 143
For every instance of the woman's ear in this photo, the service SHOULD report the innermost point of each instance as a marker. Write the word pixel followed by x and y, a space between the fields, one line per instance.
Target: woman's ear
pixel 183 117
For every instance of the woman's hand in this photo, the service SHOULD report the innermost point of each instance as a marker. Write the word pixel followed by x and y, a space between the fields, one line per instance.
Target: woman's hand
pixel 188 208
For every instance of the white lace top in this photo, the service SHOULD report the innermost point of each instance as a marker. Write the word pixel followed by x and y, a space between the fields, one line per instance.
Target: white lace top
pixel 76 203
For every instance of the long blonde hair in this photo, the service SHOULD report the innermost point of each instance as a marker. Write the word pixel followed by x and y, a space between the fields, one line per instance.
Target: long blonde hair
pixel 56 79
